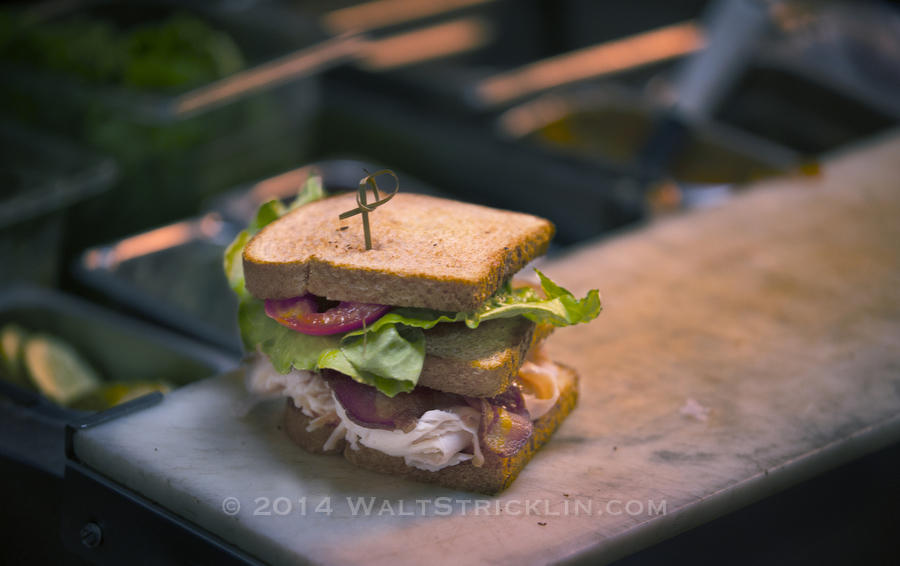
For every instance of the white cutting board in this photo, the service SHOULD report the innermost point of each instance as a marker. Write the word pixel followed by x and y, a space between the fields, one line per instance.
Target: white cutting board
pixel 741 350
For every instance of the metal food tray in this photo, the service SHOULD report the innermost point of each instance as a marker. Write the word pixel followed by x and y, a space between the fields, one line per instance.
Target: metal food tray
pixel 436 121
pixel 272 60
pixel 339 173
pixel 475 159
pixel 42 177
pixel 118 347
pixel 172 274
pixel 607 125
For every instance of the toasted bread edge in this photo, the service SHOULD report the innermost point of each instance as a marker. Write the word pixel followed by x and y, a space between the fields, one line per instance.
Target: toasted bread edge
pixel 494 476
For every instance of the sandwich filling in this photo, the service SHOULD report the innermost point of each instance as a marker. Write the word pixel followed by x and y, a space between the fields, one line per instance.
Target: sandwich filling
pixel 454 429
pixel 353 367
pixel 382 346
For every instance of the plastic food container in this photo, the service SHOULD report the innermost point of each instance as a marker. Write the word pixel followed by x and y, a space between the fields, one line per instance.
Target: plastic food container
pixel 174 274
pixel 42 177
pixel 118 348
pixel 175 145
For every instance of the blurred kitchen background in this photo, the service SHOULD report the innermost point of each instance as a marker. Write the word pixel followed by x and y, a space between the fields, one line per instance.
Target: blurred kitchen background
pixel 122 118
pixel 138 138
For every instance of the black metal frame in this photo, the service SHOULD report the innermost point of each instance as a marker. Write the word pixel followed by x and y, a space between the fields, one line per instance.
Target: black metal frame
pixel 106 523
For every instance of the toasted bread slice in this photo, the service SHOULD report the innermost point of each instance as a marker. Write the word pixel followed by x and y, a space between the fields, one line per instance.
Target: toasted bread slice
pixel 479 362
pixel 494 476
pixel 427 252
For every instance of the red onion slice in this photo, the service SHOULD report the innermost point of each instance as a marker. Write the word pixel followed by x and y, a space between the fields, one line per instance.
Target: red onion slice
pixel 505 423
pixel 368 407
pixel 358 401
pixel 301 314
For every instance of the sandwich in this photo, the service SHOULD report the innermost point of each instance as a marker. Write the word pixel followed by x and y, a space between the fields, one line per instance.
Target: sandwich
pixel 422 357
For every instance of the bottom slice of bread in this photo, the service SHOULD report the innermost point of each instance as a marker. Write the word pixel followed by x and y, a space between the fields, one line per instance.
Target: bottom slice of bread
pixel 295 425
pixel 494 476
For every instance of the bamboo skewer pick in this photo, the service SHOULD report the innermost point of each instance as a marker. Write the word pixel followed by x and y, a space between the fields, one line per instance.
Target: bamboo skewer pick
pixel 363 207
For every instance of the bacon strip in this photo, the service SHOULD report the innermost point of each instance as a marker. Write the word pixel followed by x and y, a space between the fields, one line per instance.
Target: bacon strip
pixel 505 423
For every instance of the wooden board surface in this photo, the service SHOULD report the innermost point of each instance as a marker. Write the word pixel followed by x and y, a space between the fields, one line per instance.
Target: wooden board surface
pixel 741 350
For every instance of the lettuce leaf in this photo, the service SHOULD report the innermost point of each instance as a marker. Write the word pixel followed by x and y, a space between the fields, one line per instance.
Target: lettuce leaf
pixel 234 265
pixel 389 358
pixel 559 308
pixel 311 191
pixel 389 353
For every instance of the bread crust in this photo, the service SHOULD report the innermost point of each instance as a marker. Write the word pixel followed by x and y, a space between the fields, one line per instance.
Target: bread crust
pixel 475 362
pixel 428 252
pixel 495 475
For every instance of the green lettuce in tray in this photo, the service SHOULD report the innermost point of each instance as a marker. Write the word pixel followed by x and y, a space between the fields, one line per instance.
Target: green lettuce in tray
pixel 178 52
pixel 111 75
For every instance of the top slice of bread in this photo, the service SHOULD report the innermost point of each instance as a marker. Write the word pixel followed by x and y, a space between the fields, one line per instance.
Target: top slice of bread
pixel 427 252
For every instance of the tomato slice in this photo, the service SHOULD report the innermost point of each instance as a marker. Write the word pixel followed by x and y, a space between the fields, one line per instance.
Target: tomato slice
pixel 302 314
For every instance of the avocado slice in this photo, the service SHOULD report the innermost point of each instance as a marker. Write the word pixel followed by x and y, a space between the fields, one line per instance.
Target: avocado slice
pixel 12 341
pixel 59 372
